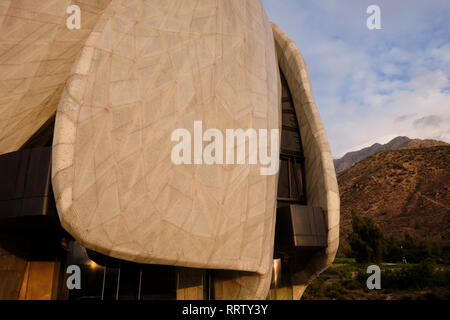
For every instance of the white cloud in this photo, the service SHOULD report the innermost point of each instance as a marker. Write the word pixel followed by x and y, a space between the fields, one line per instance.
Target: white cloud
pixel 365 81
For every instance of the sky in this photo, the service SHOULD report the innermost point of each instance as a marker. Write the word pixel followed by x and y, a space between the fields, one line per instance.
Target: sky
pixel 373 85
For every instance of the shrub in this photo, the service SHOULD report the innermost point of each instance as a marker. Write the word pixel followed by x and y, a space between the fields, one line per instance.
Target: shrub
pixel 369 244
pixel 316 288
pixel 335 291
pixel 392 250
pixel 417 276
pixel 366 240
pixel 352 284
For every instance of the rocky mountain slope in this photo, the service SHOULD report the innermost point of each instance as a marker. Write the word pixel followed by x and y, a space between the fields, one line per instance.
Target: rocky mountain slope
pixel 406 190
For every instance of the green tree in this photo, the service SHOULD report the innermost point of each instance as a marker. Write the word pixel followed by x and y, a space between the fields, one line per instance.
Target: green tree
pixel 366 240
pixel 393 251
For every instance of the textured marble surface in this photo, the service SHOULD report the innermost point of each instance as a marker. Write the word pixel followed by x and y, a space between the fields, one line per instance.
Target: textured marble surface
pixel 36 55
pixel 150 67
pixel 321 187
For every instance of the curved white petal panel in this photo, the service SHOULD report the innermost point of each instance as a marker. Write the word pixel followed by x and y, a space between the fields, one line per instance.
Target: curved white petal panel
pixel 149 68
pixel 321 184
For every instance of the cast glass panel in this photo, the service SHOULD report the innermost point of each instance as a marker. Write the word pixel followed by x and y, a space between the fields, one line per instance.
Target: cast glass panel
pixel 291 187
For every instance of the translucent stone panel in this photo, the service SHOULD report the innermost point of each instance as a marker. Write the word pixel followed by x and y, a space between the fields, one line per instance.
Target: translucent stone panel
pixel 148 68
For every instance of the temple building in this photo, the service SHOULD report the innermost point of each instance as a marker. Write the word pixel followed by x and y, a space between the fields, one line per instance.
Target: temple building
pixel 87 179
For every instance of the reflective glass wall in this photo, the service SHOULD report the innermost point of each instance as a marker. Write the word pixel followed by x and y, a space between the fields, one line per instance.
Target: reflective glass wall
pixel 106 278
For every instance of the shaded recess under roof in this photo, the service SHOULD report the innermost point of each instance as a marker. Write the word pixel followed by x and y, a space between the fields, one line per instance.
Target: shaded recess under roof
pixel 26 197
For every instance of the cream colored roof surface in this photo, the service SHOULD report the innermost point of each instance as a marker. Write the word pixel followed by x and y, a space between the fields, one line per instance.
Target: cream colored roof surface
pixel 37 51
pixel 150 67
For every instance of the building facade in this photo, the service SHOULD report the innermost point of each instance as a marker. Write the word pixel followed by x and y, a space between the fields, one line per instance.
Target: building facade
pixel 87 142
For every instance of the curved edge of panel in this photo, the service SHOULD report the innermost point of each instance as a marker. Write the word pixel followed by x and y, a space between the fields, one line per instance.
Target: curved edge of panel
pixel 63 150
pixel 322 188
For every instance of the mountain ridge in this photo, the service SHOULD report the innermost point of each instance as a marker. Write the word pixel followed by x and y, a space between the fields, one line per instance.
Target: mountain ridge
pixel 400 142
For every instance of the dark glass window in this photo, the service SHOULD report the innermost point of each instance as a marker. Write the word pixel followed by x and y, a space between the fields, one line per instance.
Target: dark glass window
pixel 129 283
pixel 111 279
pixel 291 186
pixel 106 278
pixel 92 274
pixel 158 283
pixel 290 141
pixel 283 180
